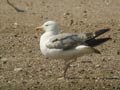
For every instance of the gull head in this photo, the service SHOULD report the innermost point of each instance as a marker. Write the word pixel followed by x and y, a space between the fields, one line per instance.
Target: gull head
pixel 49 26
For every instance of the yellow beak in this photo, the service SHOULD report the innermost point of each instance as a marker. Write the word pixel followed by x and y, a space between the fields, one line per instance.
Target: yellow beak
pixel 39 28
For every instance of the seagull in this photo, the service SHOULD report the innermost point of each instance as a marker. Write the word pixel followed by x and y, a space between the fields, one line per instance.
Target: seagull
pixel 68 46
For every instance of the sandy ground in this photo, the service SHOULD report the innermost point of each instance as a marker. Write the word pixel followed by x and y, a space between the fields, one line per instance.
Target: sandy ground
pixel 23 67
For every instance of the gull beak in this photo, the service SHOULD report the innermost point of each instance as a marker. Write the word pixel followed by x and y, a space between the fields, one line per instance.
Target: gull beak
pixel 39 28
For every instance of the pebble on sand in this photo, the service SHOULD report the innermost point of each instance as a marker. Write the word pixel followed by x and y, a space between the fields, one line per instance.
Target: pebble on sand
pixel 17 69
pixel 4 60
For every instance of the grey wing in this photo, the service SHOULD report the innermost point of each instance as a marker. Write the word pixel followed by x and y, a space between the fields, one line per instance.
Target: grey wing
pixel 69 41
pixel 66 41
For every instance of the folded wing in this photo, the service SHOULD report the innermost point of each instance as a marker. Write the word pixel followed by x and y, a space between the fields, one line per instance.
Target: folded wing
pixel 70 41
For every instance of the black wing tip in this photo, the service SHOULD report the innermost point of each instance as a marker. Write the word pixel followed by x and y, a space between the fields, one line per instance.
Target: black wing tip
pixel 106 29
pixel 96 42
pixel 97 33
pixel 102 31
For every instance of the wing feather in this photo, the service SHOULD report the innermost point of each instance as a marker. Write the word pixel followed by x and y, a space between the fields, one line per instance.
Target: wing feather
pixel 66 41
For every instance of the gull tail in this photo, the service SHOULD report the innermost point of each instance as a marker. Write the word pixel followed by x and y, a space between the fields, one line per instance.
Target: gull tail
pixel 85 49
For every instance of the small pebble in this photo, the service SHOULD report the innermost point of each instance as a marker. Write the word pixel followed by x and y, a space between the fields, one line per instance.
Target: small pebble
pixel 67 13
pixel 15 25
pixel 85 11
pixel 97 79
pixel 109 58
pixel 97 66
pixel 119 29
pixel 118 52
pixel 15 35
pixel 30 51
pixel 35 37
pixel 71 22
pixel 4 60
pixel 86 61
pixel 17 69
pixel 107 2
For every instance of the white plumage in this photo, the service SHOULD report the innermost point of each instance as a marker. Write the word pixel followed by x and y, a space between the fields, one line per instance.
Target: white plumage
pixel 56 45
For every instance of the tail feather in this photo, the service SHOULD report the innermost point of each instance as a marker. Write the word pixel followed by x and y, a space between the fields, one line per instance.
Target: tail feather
pixel 96 42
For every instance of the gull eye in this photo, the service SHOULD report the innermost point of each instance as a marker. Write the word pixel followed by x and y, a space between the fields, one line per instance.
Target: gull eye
pixel 46 25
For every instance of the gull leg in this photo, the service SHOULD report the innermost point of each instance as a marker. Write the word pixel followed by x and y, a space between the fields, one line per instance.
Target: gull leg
pixel 67 65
